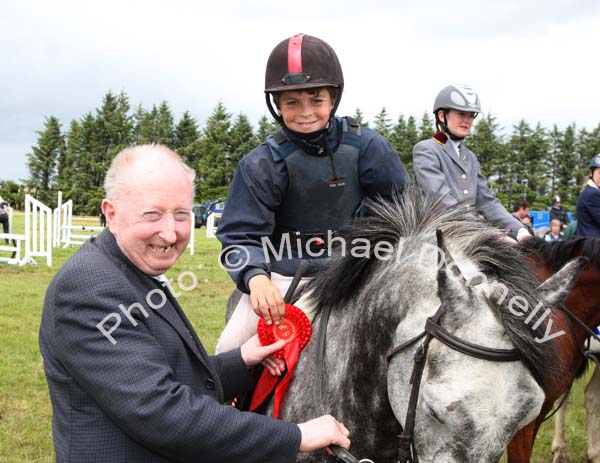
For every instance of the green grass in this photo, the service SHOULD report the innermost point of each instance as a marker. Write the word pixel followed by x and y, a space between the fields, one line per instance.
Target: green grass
pixel 25 411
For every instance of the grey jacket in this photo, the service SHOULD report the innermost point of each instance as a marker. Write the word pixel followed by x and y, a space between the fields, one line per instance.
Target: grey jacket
pixel 153 396
pixel 440 171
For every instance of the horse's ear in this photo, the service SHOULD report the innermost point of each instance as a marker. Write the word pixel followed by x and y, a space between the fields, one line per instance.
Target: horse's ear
pixel 556 288
pixel 451 281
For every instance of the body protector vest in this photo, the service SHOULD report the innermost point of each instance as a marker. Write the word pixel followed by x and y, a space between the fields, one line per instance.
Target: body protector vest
pixel 323 192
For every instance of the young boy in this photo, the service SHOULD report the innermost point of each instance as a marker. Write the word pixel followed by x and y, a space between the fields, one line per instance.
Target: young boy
pixel 554 234
pixel 445 167
pixel 304 183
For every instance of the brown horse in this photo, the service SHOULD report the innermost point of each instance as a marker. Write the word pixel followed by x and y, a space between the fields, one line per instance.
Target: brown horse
pixel 584 302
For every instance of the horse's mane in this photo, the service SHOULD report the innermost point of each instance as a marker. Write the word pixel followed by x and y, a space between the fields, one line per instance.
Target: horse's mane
pixel 411 214
pixel 558 253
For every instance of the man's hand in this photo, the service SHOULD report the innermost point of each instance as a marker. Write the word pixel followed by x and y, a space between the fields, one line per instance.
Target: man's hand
pixel 253 353
pixel 266 299
pixel 321 432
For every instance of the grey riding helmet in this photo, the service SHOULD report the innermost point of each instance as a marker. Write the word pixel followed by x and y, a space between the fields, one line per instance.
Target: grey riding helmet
pixel 595 162
pixel 458 97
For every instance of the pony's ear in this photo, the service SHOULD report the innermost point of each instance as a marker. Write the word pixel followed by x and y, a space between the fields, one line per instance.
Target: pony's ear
pixel 451 282
pixel 556 288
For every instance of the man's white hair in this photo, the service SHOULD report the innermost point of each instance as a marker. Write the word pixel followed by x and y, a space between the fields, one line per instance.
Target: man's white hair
pixel 117 177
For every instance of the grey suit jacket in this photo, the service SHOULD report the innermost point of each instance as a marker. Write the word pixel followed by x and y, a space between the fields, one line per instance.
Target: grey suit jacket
pixel 153 396
pixel 440 171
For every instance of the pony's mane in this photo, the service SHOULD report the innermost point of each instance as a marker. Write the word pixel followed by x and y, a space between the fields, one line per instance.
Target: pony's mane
pixel 558 253
pixel 411 214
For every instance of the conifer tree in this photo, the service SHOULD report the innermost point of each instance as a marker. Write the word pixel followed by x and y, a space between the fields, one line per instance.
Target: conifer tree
pixel 403 137
pixel 552 161
pixel 359 117
pixel 186 131
pixel 426 128
pixel 214 150
pixel 43 159
pixel 265 127
pixel 187 138
pixel 382 124
pixel 165 133
pixel 568 185
pixel 148 127
pixel 489 146
pixel 242 141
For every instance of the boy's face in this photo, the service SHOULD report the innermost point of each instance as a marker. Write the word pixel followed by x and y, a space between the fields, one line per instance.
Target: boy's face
pixel 305 111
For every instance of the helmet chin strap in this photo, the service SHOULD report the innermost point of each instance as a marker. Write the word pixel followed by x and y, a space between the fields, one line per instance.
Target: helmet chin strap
pixel 444 127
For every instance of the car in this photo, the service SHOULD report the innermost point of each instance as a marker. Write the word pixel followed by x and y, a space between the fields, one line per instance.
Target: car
pixel 199 211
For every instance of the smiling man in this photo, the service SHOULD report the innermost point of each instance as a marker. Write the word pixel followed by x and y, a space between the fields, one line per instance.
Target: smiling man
pixel 149 392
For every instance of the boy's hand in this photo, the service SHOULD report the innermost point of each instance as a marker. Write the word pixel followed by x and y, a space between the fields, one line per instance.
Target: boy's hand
pixel 266 299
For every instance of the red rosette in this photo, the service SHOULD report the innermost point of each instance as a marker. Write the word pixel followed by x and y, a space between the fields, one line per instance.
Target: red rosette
pixel 295 329
pixel 295 325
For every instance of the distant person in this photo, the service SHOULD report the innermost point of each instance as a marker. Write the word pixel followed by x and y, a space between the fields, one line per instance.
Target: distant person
pixel 4 209
pixel 558 212
pixel 129 379
pixel 521 212
pixel 555 233
pixel 588 203
pixel 102 219
pixel 445 167
pixel 529 220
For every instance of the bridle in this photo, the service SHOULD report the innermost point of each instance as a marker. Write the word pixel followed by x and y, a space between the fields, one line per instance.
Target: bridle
pixel 407 452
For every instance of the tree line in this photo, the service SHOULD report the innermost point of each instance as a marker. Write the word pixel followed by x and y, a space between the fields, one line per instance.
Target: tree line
pixel 532 163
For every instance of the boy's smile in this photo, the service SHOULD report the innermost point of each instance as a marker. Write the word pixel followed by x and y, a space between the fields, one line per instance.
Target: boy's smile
pixel 306 111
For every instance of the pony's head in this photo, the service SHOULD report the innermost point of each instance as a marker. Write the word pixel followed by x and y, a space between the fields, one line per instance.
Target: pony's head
pixel 468 408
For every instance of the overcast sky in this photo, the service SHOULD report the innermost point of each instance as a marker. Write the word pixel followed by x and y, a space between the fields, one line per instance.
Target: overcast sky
pixel 528 59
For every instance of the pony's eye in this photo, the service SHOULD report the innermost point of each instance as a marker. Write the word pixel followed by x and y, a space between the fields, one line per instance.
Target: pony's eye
pixel 434 414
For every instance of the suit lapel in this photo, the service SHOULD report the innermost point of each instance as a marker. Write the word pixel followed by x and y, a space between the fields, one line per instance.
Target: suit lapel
pixel 451 153
pixel 171 312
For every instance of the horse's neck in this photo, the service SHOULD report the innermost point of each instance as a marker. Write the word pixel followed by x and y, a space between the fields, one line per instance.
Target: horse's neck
pixel 584 303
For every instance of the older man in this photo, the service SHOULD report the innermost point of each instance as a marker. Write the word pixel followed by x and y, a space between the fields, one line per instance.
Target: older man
pixel 129 379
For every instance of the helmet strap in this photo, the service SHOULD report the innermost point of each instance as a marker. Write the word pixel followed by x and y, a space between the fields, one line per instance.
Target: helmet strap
pixel 444 126
pixel 274 113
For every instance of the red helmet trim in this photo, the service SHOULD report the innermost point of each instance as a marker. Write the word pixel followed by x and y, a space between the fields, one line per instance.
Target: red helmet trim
pixel 295 53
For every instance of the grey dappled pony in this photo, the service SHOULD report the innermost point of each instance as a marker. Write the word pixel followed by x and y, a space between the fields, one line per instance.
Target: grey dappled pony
pixel 468 409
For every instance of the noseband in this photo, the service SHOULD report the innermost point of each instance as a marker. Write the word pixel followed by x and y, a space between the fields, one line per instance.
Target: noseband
pixel 407 452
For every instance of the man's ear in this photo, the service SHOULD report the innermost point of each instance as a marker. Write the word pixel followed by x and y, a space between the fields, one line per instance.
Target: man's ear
pixel 109 210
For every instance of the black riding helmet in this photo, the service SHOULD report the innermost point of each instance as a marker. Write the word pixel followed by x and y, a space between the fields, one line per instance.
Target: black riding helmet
pixel 302 62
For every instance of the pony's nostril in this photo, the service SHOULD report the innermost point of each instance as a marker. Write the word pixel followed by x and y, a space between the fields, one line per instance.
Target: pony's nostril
pixel 452 406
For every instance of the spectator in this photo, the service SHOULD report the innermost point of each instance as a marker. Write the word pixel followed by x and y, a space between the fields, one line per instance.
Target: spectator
pixel 4 209
pixel 558 212
pixel 521 212
pixel 102 219
pixel 588 203
pixel 554 234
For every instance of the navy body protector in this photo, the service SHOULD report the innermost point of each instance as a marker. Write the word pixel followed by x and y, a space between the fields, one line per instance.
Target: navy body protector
pixel 323 191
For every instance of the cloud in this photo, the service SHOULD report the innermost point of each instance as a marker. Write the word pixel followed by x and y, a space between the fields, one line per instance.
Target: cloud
pixel 528 60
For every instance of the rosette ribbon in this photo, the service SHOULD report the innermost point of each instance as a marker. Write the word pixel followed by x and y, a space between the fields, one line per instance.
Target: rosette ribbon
pixel 295 329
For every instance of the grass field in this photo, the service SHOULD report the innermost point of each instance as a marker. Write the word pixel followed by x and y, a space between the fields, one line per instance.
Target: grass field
pixel 25 411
